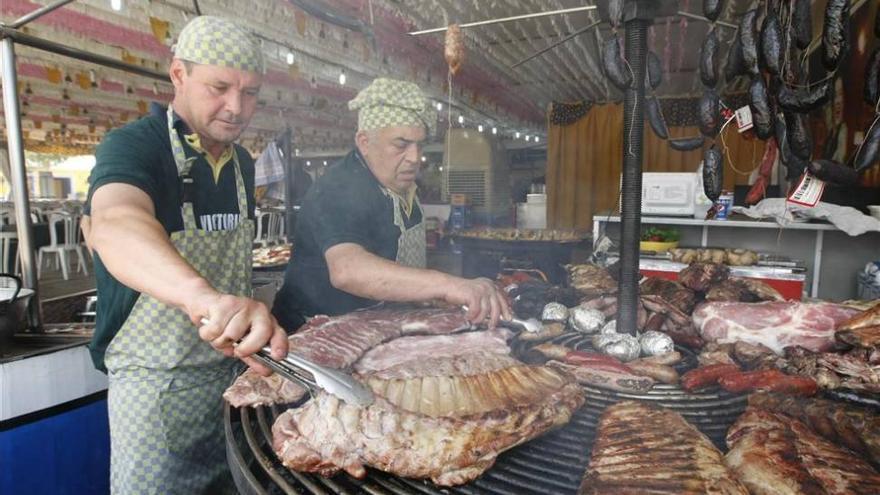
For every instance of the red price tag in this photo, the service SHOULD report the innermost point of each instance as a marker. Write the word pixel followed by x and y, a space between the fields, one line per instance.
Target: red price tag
pixel 808 191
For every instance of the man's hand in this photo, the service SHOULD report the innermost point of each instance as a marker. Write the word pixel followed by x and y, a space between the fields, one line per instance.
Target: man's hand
pixel 483 299
pixel 241 320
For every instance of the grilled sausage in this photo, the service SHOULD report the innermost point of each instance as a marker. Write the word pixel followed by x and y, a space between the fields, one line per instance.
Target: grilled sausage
pixel 655 118
pixel 749 40
pixel 799 137
pixel 802 23
pixel 735 65
pixel 771 43
pixel 872 77
pixel 712 9
pixel 713 172
pixel 788 384
pixel 745 381
pixel 654 75
pixel 759 104
pixel 660 372
pixel 834 172
pixel 620 381
pixel 615 66
pixel 706 375
pixel 709 60
pixel 869 151
pixel 710 113
pixel 805 99
pixel 687 144
pixel 668 359
pixel 615 12
pixel 835 32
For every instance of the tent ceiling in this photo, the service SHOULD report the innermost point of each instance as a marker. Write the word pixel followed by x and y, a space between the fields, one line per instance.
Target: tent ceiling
pixel 65 100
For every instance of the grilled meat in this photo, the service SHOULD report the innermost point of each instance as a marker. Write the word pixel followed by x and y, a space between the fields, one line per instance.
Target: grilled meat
pixel 591 279
pixel 853 427
pixel 742 290
pixel 700 276
pixel 252 389
pixel 674 293
pixel 449 429
pixel 775 454
pixel 852 370
pixel 862 330
pixel 642 448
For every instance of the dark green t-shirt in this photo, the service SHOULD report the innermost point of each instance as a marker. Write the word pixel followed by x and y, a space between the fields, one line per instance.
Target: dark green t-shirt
pixel 346 205
pixel 139 154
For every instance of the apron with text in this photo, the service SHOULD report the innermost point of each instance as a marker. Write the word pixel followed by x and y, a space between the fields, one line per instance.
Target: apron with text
pixel 166 384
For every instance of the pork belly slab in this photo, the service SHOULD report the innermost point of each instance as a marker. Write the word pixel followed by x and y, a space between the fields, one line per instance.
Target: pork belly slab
pixel 775 324
pixel 645 449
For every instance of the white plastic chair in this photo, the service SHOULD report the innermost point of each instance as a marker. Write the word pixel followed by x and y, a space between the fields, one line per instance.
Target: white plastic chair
pixel 6 239
pixel 71 243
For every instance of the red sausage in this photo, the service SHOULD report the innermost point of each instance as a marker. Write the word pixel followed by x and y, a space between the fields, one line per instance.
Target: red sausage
pixel 748 380
pixel 706 375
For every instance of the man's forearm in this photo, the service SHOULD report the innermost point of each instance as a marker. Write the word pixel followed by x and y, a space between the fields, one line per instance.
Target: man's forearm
pixel 363 274
pixel 135 248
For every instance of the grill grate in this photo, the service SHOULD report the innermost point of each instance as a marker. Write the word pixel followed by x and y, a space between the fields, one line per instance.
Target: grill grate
pixel 551 464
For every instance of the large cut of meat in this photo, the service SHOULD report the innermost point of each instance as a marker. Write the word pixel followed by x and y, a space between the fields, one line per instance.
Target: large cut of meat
pixel 775 324
pixel 642 448
pixel 700 276
pixel 673 293
pixel 446 428
pixel 340 341
pixel 774 454
pixel 851 426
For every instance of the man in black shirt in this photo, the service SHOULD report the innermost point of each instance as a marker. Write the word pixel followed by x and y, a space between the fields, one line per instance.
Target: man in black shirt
pixel 360 236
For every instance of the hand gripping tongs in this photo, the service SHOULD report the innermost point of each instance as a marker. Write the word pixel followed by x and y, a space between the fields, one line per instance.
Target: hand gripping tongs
pixel 314 376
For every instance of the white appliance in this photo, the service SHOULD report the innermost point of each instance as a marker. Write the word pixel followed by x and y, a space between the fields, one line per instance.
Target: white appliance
pixel 533 213
pixel 668 193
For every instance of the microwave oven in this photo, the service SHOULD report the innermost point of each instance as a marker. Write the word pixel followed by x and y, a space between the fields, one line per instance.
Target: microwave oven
pixel 669 193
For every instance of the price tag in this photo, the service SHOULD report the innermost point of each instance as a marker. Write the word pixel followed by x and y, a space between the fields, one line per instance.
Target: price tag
pixel 744 119
pixel 808 191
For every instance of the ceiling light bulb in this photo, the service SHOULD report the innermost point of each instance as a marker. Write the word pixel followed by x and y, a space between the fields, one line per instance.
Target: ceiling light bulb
pixel 325 163
pixel 296 152
pixel 461 119
pixel 289 58
pixel 424 158
pixel 528 138
pixel 494 130
pixel 439 106
pixel 537 139
pixel 116 5
pixel 342 78
pixel 517 134
pixel 440 168
pixel 480 128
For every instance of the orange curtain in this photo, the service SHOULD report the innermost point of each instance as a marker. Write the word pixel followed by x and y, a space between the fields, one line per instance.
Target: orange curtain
pixel 584 161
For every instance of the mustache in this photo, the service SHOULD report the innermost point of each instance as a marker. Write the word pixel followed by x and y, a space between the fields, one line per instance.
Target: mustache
pixel 231 119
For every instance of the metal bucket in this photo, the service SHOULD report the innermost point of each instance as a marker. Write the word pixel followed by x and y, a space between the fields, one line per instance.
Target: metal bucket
pixel 13 308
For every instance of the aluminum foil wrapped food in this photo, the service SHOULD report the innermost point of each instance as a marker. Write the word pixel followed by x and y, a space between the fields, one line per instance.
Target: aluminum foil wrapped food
pixel 625 349
pixel 554 311
pixel 600 340
pixel 654 343
pixel 454 49
pixel 609 327
pixel 585 320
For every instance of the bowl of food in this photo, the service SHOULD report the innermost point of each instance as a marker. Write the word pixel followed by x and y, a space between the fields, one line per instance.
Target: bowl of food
pixel 659 239
pixel 875 211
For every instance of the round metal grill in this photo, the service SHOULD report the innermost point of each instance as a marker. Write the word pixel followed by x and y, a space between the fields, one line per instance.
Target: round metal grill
pixel 551 464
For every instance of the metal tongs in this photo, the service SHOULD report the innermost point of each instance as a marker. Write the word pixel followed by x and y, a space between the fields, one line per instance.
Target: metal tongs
pixel 314 376
pixel 531 325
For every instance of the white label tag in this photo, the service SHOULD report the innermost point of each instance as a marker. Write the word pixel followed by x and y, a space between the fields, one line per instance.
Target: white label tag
pixel 808 191
pixel 744 119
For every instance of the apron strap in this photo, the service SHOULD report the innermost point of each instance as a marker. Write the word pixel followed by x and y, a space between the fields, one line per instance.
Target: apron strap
pixel 184 165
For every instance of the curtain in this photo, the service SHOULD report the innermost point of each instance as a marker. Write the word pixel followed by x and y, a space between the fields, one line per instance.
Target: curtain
pixel 584 161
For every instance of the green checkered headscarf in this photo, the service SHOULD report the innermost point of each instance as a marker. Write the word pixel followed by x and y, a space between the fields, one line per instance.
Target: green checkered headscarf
pixel 392 103
pixel 209 40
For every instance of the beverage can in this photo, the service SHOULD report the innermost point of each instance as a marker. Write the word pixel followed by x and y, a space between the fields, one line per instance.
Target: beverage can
pixel 723 205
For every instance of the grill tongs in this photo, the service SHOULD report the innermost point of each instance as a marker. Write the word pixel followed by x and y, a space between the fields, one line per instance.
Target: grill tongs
pixel 314 376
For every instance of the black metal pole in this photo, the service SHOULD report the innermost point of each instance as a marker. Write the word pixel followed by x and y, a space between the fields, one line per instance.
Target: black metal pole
pixel 631 189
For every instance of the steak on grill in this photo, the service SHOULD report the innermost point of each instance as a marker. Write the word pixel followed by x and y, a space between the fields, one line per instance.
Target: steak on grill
pixel 775 324
pixel 446 428
pixel 642 448
pixel 776 454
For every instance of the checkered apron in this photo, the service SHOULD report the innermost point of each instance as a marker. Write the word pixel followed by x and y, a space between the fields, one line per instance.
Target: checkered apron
pixel 411 244
pixel 166 383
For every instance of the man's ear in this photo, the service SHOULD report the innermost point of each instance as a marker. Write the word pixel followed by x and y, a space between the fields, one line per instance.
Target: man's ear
pixel 178 73
pixel 362 140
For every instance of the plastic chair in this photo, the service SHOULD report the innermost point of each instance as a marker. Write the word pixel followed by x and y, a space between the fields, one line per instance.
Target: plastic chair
pixel 70 243
pixel 6 239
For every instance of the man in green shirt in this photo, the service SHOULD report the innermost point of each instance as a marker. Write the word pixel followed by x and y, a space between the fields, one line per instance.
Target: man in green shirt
pixel 171 205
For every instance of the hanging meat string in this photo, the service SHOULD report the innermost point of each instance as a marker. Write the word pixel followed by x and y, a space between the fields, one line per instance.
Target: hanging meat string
pixel 454 49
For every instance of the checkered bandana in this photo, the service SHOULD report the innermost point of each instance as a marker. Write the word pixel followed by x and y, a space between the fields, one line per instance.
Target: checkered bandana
pixel 391 103
pixel 209 40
